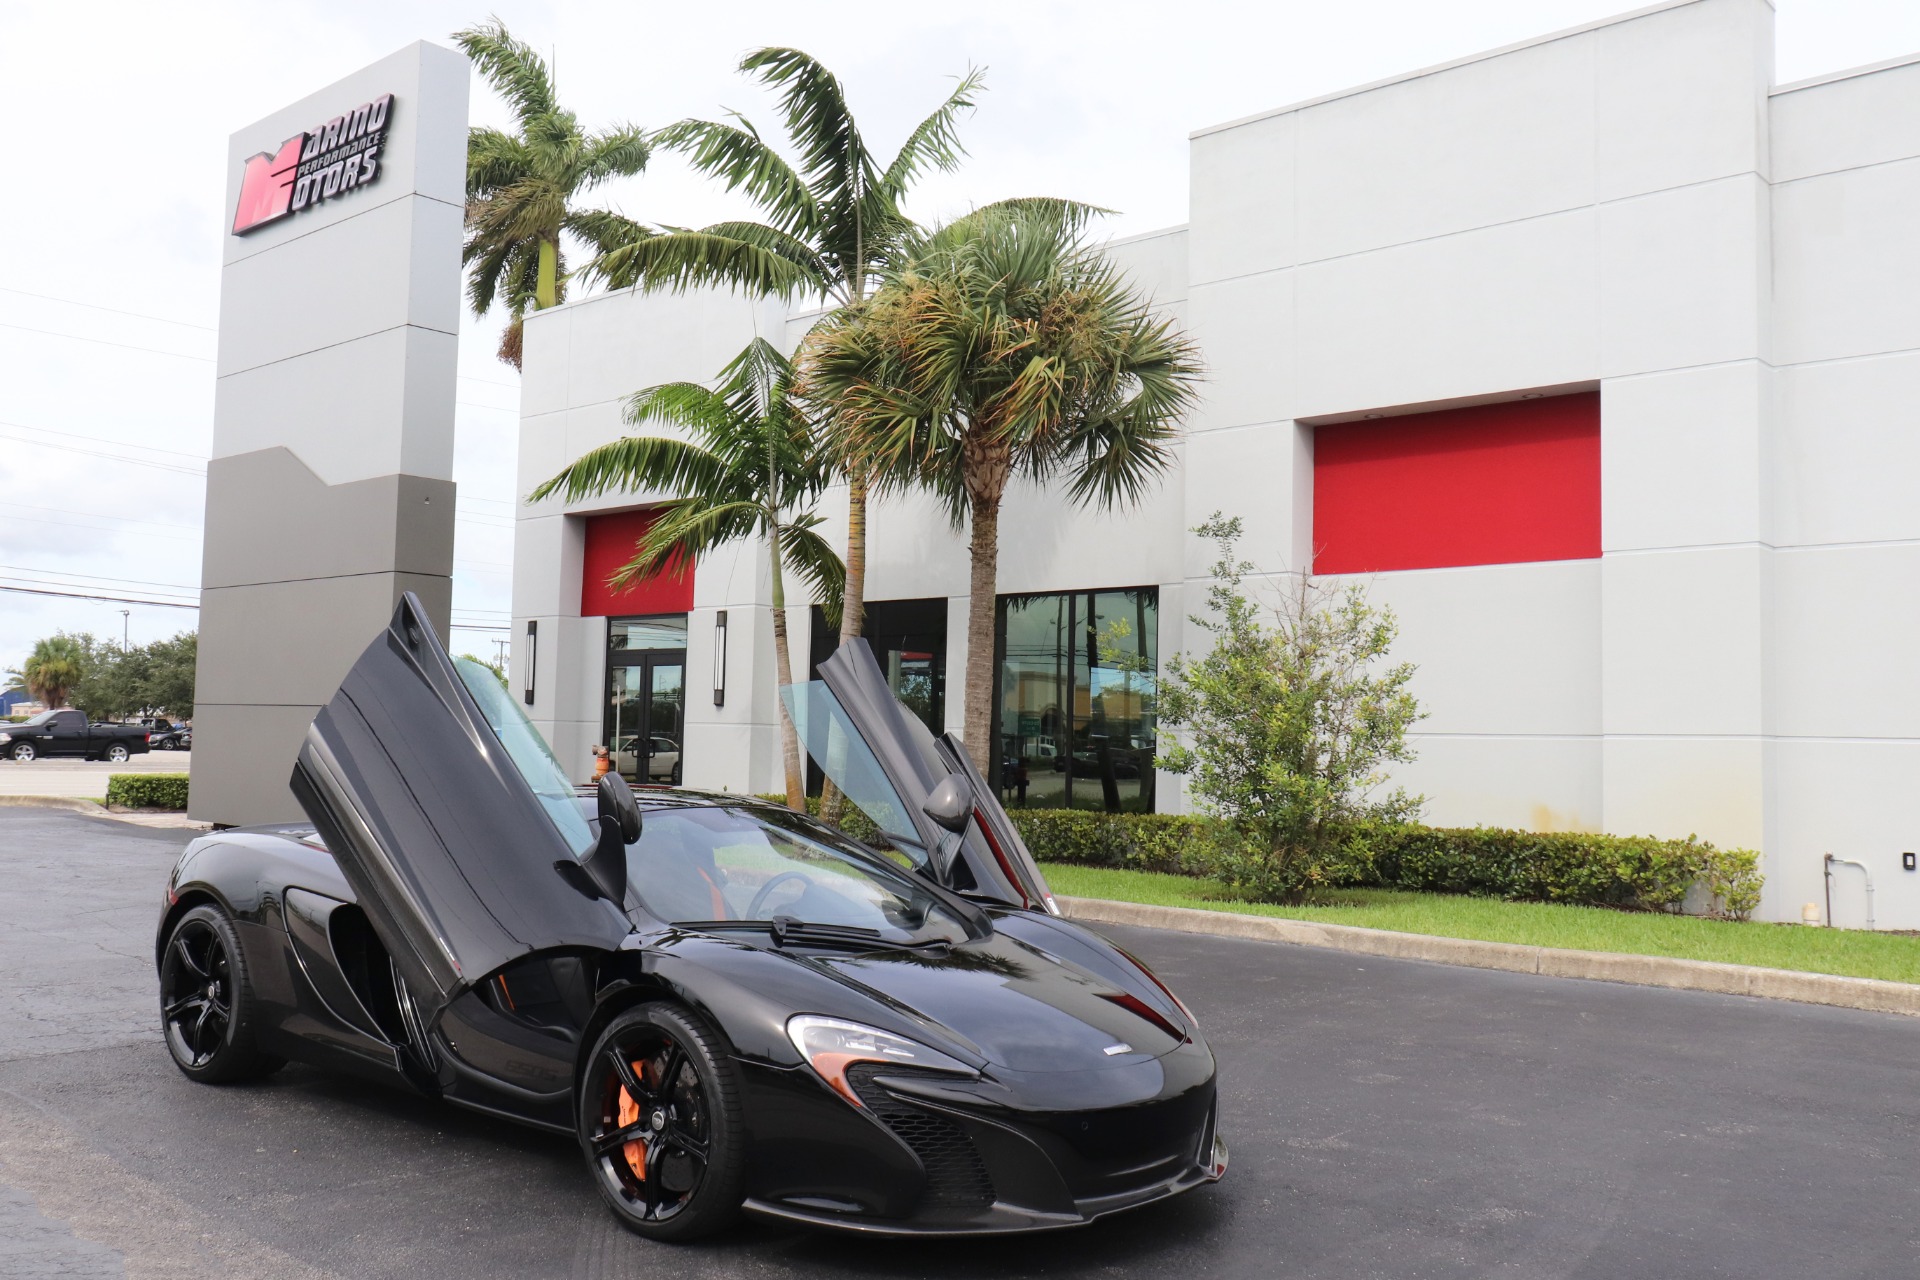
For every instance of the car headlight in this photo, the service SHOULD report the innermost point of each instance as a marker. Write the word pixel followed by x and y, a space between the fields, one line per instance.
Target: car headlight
pixel 830 1046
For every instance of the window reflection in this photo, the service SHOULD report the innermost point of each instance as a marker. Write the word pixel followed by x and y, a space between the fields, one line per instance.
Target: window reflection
pixel 1076 718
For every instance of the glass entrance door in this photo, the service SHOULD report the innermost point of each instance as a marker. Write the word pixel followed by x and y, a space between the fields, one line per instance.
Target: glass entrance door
pixel 646 698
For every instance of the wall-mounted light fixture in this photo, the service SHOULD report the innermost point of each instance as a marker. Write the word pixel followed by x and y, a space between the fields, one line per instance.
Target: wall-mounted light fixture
pixel 533 649
pixel 720 658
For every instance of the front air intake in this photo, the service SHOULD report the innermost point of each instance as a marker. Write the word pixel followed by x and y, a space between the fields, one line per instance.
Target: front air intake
pixel 957 1179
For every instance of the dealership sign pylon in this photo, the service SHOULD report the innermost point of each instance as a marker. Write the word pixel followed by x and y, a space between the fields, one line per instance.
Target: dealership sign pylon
pixel 330 489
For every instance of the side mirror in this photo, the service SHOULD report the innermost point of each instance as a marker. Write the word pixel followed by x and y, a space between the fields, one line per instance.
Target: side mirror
pixel 618 810
pixel 951 803
pixel 619 827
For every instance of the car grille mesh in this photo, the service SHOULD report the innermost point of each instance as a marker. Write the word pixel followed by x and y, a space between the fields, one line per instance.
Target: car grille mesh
pixel 957 1177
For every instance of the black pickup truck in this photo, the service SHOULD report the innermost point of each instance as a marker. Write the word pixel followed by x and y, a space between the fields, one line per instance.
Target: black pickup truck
pixel 67 733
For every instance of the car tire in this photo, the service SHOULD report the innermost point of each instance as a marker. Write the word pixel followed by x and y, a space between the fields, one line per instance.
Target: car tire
pixel 167 745
pixel 662 1076
pixel 118 753
pixel 207 1004
pixel 23 752
pixel 673 779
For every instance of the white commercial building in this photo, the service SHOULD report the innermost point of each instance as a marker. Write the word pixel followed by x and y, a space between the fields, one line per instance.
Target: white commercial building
pixel 1597 357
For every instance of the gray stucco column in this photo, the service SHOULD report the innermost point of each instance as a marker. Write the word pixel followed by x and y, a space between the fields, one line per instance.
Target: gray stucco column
pixel 330 489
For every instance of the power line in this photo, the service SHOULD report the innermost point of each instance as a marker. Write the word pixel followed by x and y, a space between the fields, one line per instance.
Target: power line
pixel 99 515
pixel 138 315
pixel 68 524
pixel 174 467
pixel 76 595
pixel 128 346
pixel 102 577
pixel 124 444
pixel 45 582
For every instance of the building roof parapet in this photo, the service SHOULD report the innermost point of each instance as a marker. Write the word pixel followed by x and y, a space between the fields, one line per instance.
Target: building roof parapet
pixel 1469 60
pixel 1832 77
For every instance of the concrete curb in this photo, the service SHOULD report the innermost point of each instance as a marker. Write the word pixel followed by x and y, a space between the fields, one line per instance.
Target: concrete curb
pixel 76 804
pixel 95 809
pixel 1603 966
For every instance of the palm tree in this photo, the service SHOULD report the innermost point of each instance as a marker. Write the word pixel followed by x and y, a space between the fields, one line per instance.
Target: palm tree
pixel 832 225
pixel 520 186
pixel 1004 346
pixel 55 666
pixel 748 469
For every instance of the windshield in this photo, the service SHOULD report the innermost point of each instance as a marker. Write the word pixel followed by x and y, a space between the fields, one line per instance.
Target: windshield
pixel 702 865
pixel 529 753
pixel 829 736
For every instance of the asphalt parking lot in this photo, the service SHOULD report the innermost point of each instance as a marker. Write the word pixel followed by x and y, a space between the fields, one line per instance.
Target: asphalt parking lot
pixel 1387 1118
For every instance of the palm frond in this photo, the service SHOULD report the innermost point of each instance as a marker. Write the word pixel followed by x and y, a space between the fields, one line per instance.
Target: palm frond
pixel 813 106
pixel 638 464
pixel 495 160
pixel 738 156
pixel 812 560
pixel 679 259
pixel 515 71
pixel 685 531
pixel 620 152
pixel 935 141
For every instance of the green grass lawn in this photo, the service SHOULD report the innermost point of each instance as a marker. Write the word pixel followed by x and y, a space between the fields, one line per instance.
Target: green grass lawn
pixel 1842 951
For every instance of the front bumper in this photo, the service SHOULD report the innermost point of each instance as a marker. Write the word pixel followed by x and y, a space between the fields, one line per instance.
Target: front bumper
pixel 999 1219
pixel 927 1157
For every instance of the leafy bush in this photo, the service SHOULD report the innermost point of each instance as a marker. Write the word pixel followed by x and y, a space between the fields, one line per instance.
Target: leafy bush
pixel 1590 870
pixel 1291 718
pixel 148 790
pixel 1598 870
pixel 1135 841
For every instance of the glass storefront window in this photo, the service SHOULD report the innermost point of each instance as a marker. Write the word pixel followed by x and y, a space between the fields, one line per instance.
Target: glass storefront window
pixel 646 697
pixel 1076 718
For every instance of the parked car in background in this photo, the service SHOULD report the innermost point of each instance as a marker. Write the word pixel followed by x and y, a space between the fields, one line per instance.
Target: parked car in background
pixel 167 735
pixel 67 733
pixel 663 759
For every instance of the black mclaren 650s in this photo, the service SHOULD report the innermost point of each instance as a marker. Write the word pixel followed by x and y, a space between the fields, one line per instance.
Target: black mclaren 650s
pixel 726 1003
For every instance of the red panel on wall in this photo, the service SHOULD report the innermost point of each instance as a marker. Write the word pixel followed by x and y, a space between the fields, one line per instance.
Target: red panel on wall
pixel 610 544
pixel 1491 484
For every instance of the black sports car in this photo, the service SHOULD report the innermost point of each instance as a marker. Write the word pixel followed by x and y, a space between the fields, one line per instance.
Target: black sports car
pixel 722 1000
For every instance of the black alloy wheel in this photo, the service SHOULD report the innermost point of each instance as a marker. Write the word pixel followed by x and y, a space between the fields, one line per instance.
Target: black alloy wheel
pixel 23 752
pixel 660 1124
pixel 206 1002
pixel 118 753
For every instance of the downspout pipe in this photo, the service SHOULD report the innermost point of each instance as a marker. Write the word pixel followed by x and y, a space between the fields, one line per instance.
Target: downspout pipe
pixel 1830 860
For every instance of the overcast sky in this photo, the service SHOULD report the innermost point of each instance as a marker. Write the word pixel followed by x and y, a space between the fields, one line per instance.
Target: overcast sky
pixel 113 152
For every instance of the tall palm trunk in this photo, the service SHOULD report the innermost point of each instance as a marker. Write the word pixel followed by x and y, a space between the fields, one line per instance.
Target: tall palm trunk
pixel 783 670
pixel 853 609
pixel 981 599
pixel 547 287
pixel 853 606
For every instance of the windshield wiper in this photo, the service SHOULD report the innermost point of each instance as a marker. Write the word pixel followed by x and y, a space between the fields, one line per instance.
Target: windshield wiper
pixel 786 930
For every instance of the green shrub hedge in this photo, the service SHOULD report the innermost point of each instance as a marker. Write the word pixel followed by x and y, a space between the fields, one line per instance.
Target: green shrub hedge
pixel 1487 862
pixel 148 790
pixel 1593 870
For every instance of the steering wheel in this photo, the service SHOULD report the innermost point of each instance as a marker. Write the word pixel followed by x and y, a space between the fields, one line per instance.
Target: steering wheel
pixel 766 891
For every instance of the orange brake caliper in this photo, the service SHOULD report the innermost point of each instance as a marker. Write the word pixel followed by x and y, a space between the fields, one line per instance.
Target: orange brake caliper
pixel 636 1150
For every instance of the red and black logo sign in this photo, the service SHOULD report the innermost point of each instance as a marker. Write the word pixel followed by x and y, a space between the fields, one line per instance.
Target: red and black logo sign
pixel 311 168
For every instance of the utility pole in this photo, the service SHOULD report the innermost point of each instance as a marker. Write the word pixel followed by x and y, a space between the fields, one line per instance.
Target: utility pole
pixel 123 628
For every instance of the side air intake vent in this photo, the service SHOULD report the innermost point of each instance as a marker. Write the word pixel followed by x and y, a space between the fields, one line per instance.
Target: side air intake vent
pixel 957 1178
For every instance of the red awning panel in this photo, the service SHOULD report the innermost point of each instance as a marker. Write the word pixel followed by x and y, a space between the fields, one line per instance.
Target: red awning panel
pixel 1492 484
pixel 611 540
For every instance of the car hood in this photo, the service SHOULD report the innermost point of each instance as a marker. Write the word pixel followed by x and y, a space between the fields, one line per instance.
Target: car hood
pixel 1016 1004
